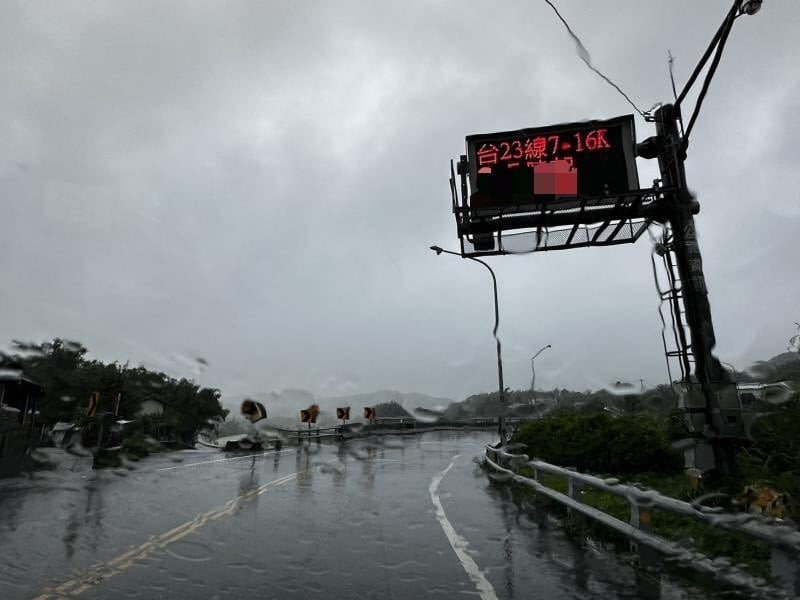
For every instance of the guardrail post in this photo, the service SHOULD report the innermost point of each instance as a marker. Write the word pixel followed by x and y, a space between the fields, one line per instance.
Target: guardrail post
pixel 537 475
pixel 642 518
pixel 500 459
pixel 574 488
pixel 785 567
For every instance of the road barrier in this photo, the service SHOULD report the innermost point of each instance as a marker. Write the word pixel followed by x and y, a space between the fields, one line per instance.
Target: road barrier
pixel 396 425
pixel 783 540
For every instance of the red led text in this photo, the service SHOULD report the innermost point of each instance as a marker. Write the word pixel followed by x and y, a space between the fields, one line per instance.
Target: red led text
pixel 541 148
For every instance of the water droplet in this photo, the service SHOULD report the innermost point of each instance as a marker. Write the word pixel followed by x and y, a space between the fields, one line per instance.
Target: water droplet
pixel 190 551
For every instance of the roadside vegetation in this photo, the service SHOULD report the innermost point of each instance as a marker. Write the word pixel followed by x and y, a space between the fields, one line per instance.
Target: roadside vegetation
pixel 602 443
pixel 636 448
pixel 69 376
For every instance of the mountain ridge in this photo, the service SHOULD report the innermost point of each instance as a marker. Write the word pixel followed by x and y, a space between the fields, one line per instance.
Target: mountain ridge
pixel 289 402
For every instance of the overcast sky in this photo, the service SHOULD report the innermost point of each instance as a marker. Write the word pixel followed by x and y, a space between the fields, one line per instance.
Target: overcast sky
pixel 257 184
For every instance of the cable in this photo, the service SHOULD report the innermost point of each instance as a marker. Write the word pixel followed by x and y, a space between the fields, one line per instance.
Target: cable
pixel 583 53
pixel 731 14
pixel 670 61
pixel 718 43
pixel 709 76
pixel 674 90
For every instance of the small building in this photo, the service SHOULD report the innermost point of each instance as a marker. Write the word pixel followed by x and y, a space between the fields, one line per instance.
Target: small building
pixel 774 393
pixel 18 436
pixel 151 406
pixel 18 398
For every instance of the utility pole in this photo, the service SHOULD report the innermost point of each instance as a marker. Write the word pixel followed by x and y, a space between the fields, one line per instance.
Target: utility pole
pixel 708 373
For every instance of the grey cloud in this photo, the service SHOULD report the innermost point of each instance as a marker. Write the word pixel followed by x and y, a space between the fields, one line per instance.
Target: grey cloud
pixel 258 183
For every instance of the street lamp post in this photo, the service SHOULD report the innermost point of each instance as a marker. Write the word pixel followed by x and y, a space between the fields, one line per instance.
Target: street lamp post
pixel 533 372
pixel 501 388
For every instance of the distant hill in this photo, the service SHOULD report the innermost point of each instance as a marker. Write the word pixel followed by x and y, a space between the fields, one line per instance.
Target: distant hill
pixel 783 367
pixel 391 409
pixel 284 407
pixel 408 400
pixel 784 359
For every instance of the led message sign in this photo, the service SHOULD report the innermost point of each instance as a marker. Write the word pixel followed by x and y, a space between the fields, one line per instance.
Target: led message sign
pixel 555 165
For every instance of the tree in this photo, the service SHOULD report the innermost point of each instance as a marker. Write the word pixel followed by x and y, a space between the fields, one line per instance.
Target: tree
pixel 69 378
pixel 56 366
pixel 391 409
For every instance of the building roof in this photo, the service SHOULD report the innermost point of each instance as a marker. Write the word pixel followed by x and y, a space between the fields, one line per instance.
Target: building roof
pixel 760 386
pixel 11 377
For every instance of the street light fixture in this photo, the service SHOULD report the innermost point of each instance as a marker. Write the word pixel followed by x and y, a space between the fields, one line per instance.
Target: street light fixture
pixel 501 390
pixel 533 372
pixel 750 7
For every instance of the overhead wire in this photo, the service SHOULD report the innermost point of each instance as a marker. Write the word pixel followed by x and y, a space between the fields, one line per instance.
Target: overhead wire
pixel 715 47
pixel 584 55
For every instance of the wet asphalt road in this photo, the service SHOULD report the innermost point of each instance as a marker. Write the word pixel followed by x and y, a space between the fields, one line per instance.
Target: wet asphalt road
pixel 394 517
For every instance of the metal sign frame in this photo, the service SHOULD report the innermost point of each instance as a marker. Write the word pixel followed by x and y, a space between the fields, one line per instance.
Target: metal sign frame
pixel 584 220
pixel 591 221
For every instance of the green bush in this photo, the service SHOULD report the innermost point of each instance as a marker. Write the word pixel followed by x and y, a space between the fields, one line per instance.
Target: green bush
pixel 602 443
pixel 137 446
pixel 776 438
pixel 676 426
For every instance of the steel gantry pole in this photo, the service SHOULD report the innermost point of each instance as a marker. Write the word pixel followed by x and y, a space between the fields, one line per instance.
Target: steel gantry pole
pixel 709 374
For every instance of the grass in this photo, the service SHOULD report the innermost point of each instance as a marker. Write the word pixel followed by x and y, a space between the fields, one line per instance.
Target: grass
pixel 636 448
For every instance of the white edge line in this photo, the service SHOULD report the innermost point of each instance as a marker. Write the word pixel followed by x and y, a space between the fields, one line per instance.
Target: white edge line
pixel 458 543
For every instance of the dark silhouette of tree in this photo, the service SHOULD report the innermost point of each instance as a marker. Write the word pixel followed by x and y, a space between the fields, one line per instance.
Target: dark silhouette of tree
pixel 61 367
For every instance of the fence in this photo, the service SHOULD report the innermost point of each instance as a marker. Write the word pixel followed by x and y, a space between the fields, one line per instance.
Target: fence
pixel 783 540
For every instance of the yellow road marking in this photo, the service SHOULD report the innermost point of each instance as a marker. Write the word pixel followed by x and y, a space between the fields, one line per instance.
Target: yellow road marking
pixel 122 557
pixel 105 570
pixel 216 460
pixel 66 585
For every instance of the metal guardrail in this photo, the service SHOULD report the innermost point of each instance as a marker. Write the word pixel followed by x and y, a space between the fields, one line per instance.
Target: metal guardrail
pixel 784 541
pixel 383 425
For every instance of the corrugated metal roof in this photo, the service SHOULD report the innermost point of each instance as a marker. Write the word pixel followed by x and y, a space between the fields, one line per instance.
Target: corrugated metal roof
pixel 16 378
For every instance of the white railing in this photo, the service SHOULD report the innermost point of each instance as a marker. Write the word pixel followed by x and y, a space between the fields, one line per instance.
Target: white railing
pixel 783 540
